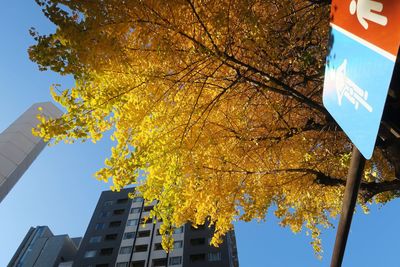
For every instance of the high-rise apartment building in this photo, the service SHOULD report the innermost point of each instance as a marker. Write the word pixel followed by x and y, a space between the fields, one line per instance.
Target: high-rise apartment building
pixel 19 148
pixel 117 236
pixel 40 248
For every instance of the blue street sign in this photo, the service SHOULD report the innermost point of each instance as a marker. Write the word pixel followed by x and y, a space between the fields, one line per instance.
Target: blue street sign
pixel 356 83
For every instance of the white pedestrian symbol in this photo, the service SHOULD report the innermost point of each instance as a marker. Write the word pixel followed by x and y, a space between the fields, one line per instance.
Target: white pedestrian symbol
pixel 366 9
pixel 348 89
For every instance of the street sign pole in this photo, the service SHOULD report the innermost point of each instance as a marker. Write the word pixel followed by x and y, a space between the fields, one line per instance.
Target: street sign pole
pixel 349 201
pixel 365 40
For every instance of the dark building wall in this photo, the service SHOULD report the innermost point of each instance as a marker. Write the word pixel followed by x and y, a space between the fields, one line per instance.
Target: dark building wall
pixel 56 249
pixel 40 248
pixel 77 241
pixel 198 253
pixel 31 247
pixel 223 256
pixel 232 249
pixel 108 203
pixel 23 246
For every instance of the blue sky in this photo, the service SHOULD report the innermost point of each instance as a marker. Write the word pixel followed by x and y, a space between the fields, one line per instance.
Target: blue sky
pixel 59 190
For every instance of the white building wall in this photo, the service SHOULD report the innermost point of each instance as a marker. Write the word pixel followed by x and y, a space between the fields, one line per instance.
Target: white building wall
pixel 19 148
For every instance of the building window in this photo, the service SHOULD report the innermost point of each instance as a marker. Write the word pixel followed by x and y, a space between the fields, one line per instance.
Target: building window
pixel 197 227
pixel 145 220
pixel 122 200
pixel 119 212
pixel 175 260
pixel 178 244
pixel 178 230
pixel 122 264
pixel 95 239
pixel 105 214
pixel 129 235
pixel 115 224
pixel 106 251
pixel 197 257
pixel 132 222
pixel 137 199
pixel 158 231
pixel 214 256
pixel 158 246
pixel 140 248
pixel 148 208
pixel 138 264
pixel 111 237
pixel 144 233
pixel 135 210
pixel 159 262
pixel 125 250
pixel 90 254
pixel 197 241
pixel 102 265
pixel 99 226
pixel 108 203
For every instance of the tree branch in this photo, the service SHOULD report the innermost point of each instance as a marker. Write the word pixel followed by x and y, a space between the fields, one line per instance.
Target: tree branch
pixel 368 189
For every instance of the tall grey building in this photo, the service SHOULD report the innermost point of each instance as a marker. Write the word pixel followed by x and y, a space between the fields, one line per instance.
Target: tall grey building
pixel 19 148
pixel 40 248
pixel 117 236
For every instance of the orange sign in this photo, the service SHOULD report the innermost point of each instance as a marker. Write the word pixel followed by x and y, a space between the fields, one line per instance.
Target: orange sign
pixel 375 21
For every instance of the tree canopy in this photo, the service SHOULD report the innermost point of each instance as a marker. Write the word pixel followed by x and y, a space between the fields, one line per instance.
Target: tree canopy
pixel 218 102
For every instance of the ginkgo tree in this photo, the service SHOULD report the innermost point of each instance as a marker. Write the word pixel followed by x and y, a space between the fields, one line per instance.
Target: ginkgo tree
pixel 218 102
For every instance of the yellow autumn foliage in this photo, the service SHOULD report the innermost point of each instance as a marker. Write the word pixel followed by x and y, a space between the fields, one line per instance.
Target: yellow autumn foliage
pixel 218 103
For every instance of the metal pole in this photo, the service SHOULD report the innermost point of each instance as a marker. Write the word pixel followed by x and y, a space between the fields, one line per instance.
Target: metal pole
pixel 349 201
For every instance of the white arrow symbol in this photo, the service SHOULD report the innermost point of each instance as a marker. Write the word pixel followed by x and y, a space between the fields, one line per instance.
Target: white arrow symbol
pixel 348 89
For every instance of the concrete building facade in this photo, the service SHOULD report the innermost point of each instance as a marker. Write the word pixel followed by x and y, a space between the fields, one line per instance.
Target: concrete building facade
pixel 19 148
pixel 40 248
pixel 118 236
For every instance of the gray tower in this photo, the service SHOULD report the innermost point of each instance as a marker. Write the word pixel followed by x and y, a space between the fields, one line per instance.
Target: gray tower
pixel 19 148
pixel 40 248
